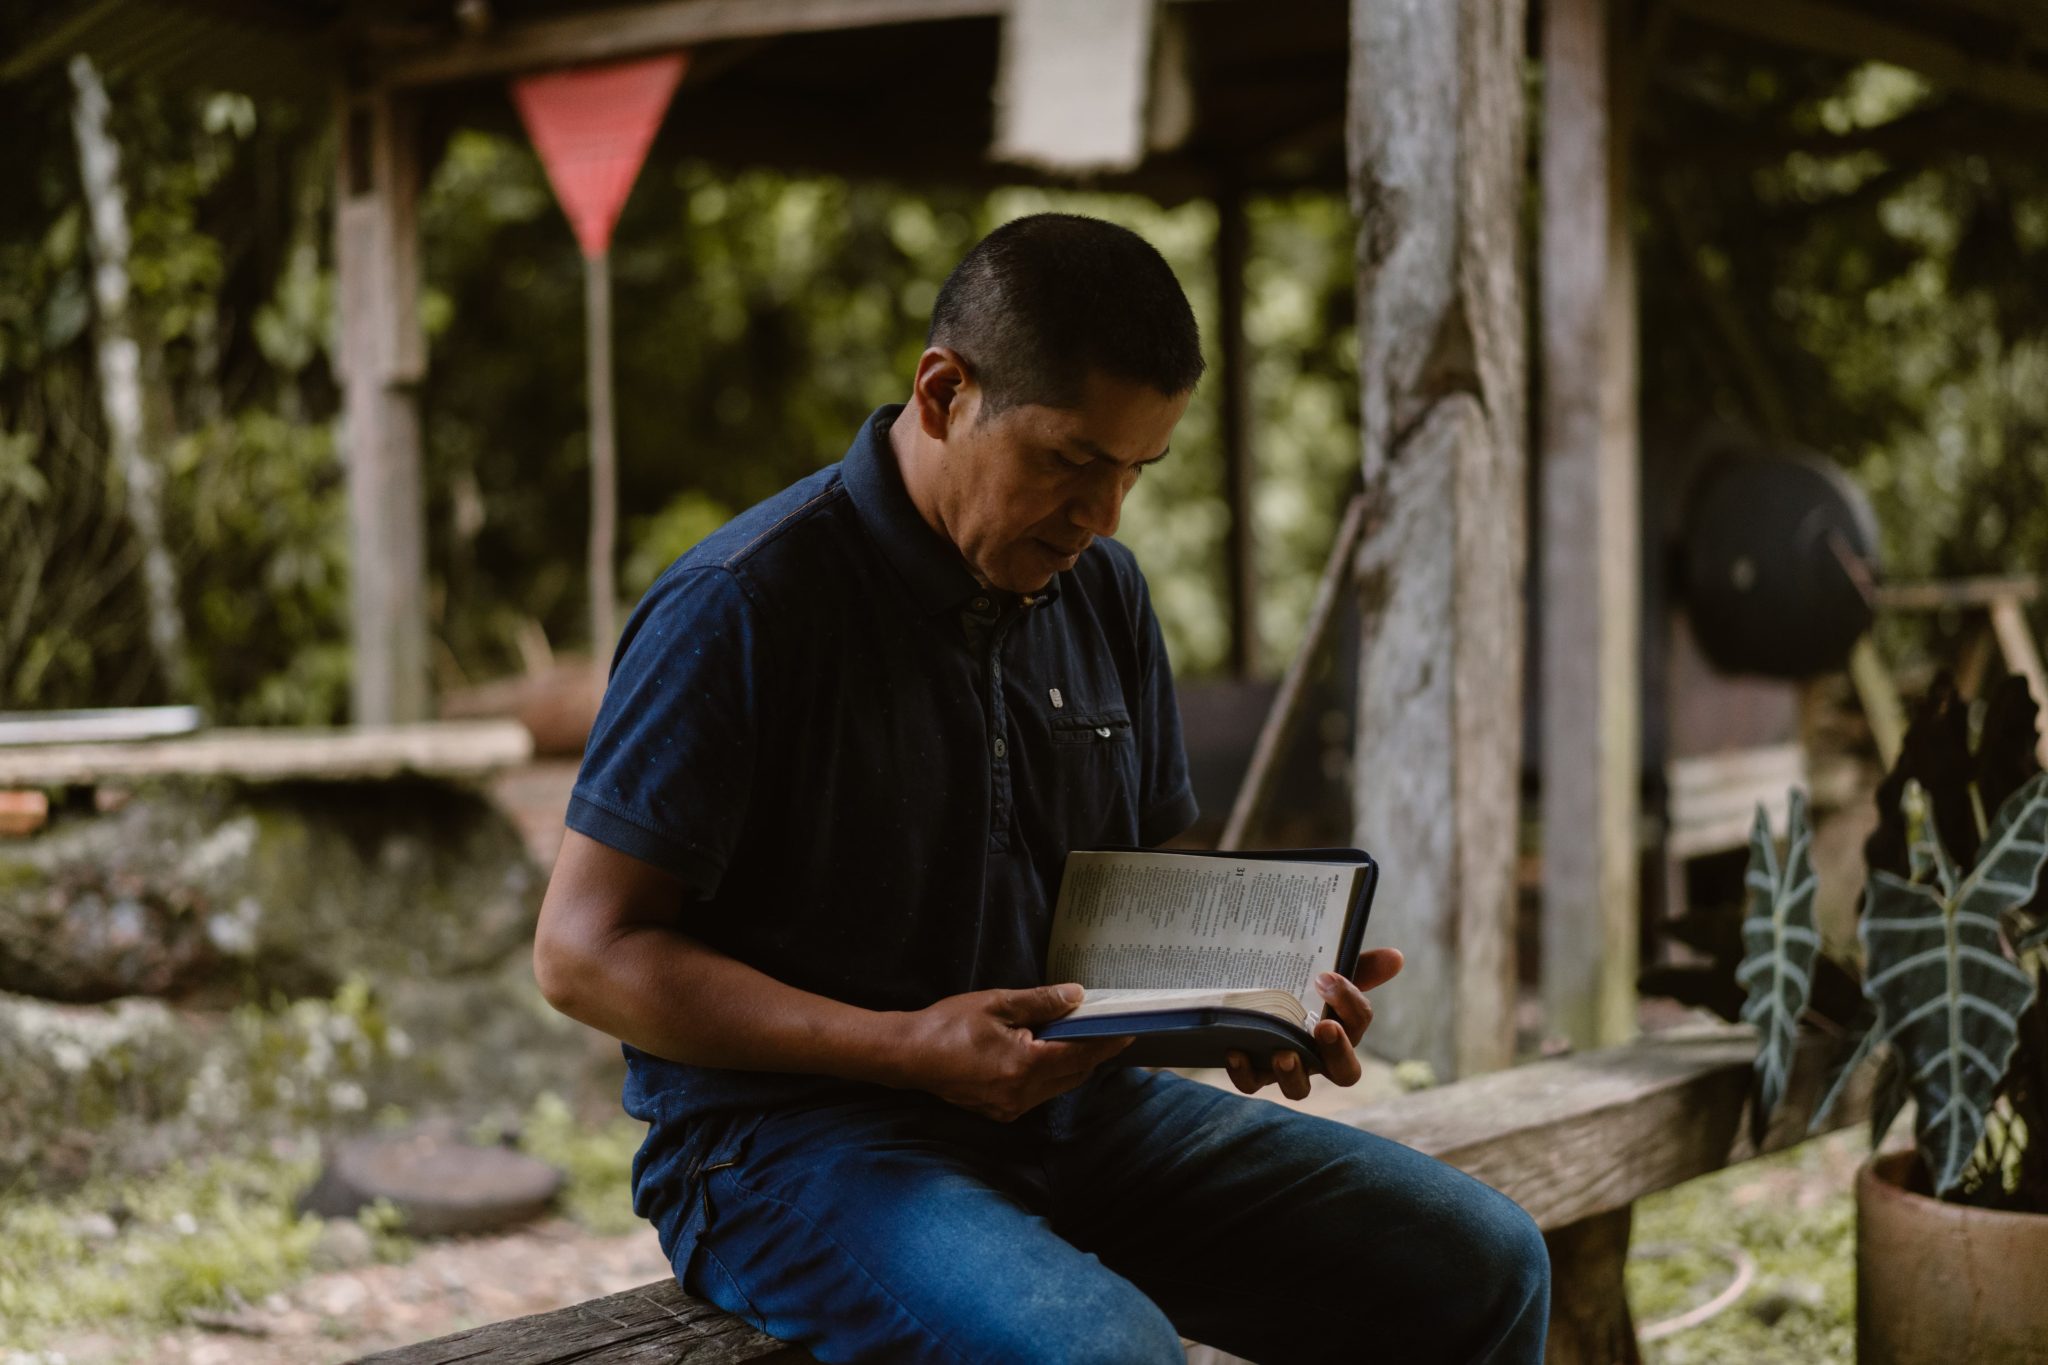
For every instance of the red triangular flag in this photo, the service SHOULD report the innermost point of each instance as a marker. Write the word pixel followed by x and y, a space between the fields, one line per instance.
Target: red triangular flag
pixel 592 127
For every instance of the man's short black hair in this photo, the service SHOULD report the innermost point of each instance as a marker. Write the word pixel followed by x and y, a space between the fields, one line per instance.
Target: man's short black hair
pixel 1043 301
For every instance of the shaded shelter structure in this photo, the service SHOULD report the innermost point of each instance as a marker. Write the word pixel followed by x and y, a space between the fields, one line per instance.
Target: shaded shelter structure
pixel 1414 108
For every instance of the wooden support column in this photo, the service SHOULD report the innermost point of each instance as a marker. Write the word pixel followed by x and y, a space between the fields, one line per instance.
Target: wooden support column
pixel 1590 1323
pixel 1233 240
pixel 1435 133
pixel 383 356
pixel 1590 536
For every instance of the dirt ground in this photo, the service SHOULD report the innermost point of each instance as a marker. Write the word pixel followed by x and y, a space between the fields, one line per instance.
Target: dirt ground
pixel 446 1287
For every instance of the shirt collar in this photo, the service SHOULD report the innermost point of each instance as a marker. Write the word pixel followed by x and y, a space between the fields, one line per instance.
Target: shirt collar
pixel 928 564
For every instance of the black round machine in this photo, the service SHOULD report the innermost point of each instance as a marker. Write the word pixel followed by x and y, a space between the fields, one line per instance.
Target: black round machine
pixel 1779 556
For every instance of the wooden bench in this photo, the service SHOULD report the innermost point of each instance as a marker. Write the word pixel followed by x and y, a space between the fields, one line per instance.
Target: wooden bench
pixel 1575 1140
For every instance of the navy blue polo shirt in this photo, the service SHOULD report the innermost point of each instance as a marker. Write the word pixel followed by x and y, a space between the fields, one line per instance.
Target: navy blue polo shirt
pixel 866 768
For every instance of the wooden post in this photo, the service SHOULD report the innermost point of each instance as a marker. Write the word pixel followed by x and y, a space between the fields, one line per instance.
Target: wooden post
pixel 1590 538
pixel 1589 1316
pixel 1435 133
pixel 383 356
pixel 604 472
pixel 1233 237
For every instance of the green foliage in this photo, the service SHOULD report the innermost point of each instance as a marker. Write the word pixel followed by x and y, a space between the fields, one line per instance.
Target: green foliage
pixel 259 512
pixel 193 1236
pixel 1793 1214
pixel 306 1061
pixel 1780 942
pixel 1843 257
pixel 597 1160
pixel 658 541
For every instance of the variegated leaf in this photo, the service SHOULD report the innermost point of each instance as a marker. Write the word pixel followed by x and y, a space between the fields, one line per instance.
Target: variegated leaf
pixel 2019 834
pixel 1779 944
pixel 1947 996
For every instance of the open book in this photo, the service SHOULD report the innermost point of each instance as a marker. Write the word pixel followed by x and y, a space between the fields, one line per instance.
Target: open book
pixel 1198 954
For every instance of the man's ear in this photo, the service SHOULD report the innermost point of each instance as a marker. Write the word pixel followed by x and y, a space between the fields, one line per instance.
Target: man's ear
pixel 945 393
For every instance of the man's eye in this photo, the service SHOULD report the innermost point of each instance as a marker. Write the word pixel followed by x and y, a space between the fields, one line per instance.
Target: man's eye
pixel 1065 463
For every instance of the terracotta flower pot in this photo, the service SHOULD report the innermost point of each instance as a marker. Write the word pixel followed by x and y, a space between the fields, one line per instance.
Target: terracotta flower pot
pixel 1944 1284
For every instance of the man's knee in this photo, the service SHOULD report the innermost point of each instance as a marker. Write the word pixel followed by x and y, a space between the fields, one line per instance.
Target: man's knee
pixel 1511 1268
pixel 1116 1326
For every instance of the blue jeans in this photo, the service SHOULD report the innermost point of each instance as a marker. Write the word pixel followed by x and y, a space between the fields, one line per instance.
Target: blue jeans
pixel 900 1229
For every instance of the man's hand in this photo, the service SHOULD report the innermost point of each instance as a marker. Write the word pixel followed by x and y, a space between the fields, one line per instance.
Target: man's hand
pixel 976 1050
pixel 1336 1039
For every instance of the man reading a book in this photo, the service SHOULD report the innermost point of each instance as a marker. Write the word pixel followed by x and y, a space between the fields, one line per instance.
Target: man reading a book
pixel 812 859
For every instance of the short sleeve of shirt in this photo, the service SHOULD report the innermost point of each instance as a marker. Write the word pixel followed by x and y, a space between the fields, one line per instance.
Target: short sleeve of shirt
pixel 670 761
pixel 1167 803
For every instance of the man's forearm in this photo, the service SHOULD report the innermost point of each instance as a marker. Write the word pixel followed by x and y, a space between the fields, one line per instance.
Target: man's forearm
pixel 669 995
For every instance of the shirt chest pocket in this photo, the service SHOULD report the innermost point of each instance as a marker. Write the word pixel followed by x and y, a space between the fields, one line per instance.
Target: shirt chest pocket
pixel 1092 730
pixel 1095 762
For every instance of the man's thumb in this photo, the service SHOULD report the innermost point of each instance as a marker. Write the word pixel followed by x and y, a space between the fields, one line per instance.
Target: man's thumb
pixel 1041 1003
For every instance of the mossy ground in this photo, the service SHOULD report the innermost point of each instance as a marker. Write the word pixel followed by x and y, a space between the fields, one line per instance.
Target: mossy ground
pixel 1794 1214
pixel 140 1253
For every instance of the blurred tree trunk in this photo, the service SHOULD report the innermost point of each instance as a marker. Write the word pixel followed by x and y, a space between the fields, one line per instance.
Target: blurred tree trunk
pixel 120 369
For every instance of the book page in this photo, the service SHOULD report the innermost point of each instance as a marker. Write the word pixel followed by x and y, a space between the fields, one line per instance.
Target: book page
pixel 1107 1001
pixel 1176 921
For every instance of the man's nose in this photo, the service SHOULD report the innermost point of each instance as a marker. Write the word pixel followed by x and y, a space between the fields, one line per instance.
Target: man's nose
pixel 1100 508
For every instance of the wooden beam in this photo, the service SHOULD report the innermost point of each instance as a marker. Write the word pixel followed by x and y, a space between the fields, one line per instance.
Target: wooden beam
pixel 471 748
pixel 636 30
pixel 1435 152
pixel 656 1324
pixel 1590 536
pixel 1573 1137
pixel 383 356
pixel 1234 414
pixel 1840 30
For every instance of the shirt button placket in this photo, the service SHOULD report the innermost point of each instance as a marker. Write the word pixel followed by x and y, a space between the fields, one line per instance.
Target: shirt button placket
pixel 999 769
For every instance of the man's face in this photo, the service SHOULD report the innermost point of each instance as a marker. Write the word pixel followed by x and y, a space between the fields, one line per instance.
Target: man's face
pixel 1023 493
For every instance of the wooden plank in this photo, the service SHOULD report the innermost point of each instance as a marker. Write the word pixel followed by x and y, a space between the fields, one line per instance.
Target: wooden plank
pixel 97 726
pixel 1697 775
pixel 1590 534
pixel 1571 1137
pixel 656 1324
pixel 1435 138
pixel 1285 713
pixel 1842 30
pixel 1234 416
pixel 383 356
pixel 1956 593
pixel 437 749
pixel 637 30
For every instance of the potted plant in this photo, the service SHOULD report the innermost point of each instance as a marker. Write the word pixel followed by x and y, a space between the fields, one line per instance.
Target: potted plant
pixel 1952 1236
